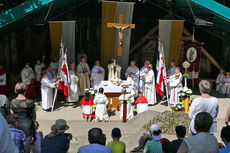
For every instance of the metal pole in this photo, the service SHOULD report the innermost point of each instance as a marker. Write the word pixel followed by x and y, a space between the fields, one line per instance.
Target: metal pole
pixel 55 97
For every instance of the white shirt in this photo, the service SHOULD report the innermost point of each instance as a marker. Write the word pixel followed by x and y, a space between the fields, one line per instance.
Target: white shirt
pixel 209 105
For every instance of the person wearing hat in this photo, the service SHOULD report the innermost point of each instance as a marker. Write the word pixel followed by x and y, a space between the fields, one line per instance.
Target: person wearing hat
pixel 175 82
pixel 154 145
pixel 87 105
pixel 116 145
pixel 57 141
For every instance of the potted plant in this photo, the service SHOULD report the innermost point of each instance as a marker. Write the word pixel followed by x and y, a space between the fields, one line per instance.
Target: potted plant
pixel 178 107
pixel 184 94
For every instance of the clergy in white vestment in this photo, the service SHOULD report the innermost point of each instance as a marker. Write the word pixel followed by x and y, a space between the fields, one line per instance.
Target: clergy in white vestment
pixel 27 75
pixel 54 67
pixel 226 88
pixel 47 92
pixel 220 81
pixel 175 83
pixel 143 73
pixel 101 102
pixel 97 75
pixel 114 70
pixel 150 91
pixel 129 100
pixel 73 84
pixel 133 71
pixel 87 106
pixel 38 70
pixel 171 70
pixel 142 103
pixel 83 73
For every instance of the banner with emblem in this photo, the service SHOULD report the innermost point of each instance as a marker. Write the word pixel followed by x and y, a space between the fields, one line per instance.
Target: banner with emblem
pixel 192 54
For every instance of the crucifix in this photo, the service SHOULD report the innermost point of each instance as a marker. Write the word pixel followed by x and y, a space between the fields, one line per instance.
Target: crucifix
pixel 120 27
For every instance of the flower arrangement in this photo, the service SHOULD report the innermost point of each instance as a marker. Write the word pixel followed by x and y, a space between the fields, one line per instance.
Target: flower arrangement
pixel 178 107
pixel 92 92
pixel 184 92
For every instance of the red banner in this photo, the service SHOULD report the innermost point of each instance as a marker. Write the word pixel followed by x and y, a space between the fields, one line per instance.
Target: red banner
pixel 192 54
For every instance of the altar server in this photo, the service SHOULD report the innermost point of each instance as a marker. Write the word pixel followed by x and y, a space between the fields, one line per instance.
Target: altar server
pixel 101 102
pixel 54 67
pixel 38 69
pixel 87 105
pixel 27 75
pixel 3 86
pixel 142 103
pixel 129 99
pixel 47 92
pixel 133 71
pixel 83 73
pixel 175 82
pixel 143 73
pixel 150 91
pixel 98 74
pixel 220 81
pixel 73 84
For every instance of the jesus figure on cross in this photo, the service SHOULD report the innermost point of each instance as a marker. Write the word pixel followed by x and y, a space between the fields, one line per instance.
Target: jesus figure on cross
pixel 120 26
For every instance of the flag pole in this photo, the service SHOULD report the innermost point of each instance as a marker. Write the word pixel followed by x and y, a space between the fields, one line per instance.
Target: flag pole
pixel 165 74
pixel 58 74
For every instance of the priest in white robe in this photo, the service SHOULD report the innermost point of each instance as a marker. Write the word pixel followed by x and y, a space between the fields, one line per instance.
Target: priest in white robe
pixel 54 67
pixel 226 89
pixel 129 99
pixel 83 72
pixel 150 91
pixel 143 73
pixel 175 83
pixel 73 84
pixel 47 92
pixel 114 71
pixel 133 71
pixel 97 75
pixel 220 81
pixel 27 75
pixel 101 102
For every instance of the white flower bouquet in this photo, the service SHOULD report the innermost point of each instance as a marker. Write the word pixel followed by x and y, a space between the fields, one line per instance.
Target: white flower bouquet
pixel 178 107
pixel 184 92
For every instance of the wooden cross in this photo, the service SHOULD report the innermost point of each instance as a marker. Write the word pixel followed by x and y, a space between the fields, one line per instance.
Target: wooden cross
pixel 120 26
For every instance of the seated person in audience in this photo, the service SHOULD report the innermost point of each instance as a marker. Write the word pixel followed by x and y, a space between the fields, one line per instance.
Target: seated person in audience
pixel 180 133
pixel 116 145
pixel 87 105
pixel 97 140
pixel 226 88
pixel 18 136
pixel 39 139
pixel 227 118
pixel 142 103
pixel 154 145
pixel 57 141
pixel 203 142
pixel 6 145
pixel 167 147
pixel 4 105
pixel 225 136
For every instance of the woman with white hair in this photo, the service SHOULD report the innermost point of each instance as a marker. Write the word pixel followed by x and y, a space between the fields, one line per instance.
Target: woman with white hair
pixel 205 103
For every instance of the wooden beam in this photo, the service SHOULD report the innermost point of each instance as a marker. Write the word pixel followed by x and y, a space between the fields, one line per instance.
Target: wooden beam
pixel 205 52
pixel 110 25
pixel 187 38
pixel 152 31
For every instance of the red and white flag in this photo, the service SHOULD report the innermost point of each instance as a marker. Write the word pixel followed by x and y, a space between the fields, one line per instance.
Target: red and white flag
pixel 160 71
pixel 64 76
